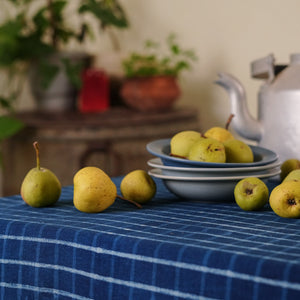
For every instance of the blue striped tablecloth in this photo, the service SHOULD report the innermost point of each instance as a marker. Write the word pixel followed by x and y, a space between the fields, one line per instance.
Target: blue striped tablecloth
pixel 170 249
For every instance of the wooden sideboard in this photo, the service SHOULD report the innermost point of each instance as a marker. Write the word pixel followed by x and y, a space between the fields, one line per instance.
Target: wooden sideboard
pixel 114 140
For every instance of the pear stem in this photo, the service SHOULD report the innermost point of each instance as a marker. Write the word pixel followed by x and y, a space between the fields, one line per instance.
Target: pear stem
pixel 37 152
pixel 131 201
pixel 229 121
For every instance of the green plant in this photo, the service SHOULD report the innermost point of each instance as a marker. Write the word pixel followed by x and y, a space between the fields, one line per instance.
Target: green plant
pixel 154 62
pixel 37 30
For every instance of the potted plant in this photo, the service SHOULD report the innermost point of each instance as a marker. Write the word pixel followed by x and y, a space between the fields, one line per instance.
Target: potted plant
pixel 151 82
pixel 37 35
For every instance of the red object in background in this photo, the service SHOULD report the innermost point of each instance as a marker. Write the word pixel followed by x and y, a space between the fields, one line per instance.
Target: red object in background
pixel 94 94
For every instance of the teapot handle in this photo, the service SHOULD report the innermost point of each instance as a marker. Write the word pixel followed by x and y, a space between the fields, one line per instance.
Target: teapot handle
pixel 263 68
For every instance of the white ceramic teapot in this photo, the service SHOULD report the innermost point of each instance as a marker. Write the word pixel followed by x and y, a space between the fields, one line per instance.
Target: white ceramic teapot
pixel 278 125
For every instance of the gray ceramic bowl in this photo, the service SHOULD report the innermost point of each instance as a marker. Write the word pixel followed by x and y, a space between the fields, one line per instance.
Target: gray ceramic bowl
pixel 211 189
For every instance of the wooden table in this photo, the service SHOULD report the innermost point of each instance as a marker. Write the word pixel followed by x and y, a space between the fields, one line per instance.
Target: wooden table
pixel 114 140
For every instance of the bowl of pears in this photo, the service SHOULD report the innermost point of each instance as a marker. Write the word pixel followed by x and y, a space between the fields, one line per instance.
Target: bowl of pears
pixel 208 166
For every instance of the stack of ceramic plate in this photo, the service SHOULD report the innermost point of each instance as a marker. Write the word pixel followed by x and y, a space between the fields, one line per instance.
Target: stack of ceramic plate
pixel 208 181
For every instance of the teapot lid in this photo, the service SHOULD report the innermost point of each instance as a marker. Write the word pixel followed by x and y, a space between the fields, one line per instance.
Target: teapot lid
pixel 295 58
pixel 263 68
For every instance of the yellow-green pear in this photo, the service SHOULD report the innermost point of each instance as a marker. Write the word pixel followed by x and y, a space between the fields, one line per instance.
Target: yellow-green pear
pixel 289 165
pixel 238 152
pixel 285 199
pixel 94 191
pixel 208 150
pixel 219 133
pixel 251 193
pixel 182 141
pixel 293 176
pixel 138 186
pixel 40 186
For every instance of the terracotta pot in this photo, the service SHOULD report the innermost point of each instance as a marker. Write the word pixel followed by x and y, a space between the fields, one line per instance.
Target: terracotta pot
pixel 155 93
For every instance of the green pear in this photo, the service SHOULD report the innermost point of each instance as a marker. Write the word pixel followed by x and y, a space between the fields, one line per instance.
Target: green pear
pixel 40 186
pixel 285 199
pixel 138 186
pixel 208 150
pixel 94 191
pixel 251 193
pixel 288 166
pixel 182 141
pixel 293 176
pixel 238 152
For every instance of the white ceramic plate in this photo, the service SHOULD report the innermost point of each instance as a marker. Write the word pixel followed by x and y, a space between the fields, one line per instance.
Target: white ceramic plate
pixel 210 189
pixel 204 172
pixel 158 173
pixel 161 149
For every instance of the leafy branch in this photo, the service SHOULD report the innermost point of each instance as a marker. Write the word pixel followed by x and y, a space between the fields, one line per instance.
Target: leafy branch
pixel 38 31
pixel 152 62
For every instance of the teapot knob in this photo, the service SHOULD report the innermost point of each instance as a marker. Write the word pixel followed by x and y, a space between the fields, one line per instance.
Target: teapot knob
pixel 295 58
pixel 263 68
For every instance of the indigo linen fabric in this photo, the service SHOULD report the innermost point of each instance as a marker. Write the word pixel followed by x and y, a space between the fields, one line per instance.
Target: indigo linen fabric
pixel 170 249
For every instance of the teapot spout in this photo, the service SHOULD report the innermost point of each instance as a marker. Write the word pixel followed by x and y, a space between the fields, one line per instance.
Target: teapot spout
pixel 243 123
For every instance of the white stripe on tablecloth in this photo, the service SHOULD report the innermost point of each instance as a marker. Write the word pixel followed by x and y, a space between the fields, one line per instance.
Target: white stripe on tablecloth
pixel 42 290
pixel 263 231
pixel 184 216
pixel 183 265
pixel 206 212
pixel 221 245
pixel 103 278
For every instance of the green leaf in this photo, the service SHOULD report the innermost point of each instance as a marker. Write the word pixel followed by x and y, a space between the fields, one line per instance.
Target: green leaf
pixel 9 126
pixel 47 73
pixel 9 45
pixel 108 12
pixel 40 21
pixel 171 39
pixel 181 65
pixel 73 72
pixel 175 49
pixel 5 102
pixel 27 52
pixel 12 27
pixel 149 44
pixel 190 54
pixel 58 7
pixel 65 34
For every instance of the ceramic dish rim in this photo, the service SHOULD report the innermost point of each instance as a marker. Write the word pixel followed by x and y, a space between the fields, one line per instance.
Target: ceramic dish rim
pixel 160 165
pixel 177 160
pixel 153 172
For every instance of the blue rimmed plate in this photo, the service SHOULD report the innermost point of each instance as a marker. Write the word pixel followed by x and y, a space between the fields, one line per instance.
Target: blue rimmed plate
pixel 161 149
